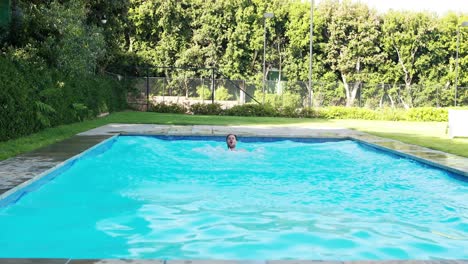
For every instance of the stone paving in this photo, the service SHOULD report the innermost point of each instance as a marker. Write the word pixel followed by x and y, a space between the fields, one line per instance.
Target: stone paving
pixel 22 168
pixel 258 131
pixel 18 171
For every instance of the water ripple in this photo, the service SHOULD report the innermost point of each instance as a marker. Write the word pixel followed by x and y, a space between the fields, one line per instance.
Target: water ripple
pixel 152 198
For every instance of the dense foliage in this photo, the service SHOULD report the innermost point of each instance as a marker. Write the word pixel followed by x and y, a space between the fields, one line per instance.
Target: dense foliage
pixel 34 97
pixel 55 54
pixel 206 109
pixel 168 108
pixel 49 69
pixel 353 44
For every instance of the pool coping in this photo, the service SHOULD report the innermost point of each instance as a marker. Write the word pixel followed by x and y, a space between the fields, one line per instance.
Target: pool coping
pixel 22 170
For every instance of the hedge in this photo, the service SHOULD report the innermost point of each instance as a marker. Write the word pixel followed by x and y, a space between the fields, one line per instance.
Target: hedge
pixel 33 97
pixel 336 112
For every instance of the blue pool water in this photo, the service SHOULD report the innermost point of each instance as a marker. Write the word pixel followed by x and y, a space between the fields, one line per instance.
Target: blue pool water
pixel 150 197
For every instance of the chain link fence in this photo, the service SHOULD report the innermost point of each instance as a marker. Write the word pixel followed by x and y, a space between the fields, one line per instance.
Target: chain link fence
pixel 186 91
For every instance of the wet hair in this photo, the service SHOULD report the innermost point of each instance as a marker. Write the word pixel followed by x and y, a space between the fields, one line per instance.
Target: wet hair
pixel 231 135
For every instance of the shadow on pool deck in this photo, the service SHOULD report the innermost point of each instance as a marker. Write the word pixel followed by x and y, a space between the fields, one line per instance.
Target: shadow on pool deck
pixel 15 171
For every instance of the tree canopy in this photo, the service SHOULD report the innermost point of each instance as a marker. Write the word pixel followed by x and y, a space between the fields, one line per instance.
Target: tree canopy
pixel 353 44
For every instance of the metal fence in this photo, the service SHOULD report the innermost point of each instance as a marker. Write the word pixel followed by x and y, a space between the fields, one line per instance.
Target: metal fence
pixel 154 90
pixel 188 91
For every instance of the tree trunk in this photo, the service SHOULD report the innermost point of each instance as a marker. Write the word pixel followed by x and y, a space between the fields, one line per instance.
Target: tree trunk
pixel 252 65
pixel 391 100
pixel 350 92
pixel 406 103
pixel 408 78
pixel 402 100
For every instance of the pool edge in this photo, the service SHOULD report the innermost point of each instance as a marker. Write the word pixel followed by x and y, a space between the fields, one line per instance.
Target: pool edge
pixel 414 156
pixel 372 141
pixel 24 187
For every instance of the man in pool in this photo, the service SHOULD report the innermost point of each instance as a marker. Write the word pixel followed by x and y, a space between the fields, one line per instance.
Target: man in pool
pixel 231 141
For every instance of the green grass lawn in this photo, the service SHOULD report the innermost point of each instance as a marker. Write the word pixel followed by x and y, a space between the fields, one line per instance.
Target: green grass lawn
pixel 428 134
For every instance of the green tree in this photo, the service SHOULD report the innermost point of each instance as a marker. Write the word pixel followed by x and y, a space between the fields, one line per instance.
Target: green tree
pixel 209 22
pixel 297 57
pixel 405 39
pixel 161 30
pixel 57 32
pixel 117 31
pixel 352 48
pixel 245 40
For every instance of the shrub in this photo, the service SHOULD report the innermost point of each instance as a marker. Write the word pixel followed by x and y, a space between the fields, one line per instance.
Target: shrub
pixel 391 114
pixel 291 100
pixel 34 96
pixel 222 94
pixel 413 114
pixel 81 112
pixel 288 112
pixel 206 109
pixel 309 113
pixel 285 100
pixel 173 108
pixel 17 98
pixel 427 114
pixel 252 110
pixel 336 112
pixel 203 92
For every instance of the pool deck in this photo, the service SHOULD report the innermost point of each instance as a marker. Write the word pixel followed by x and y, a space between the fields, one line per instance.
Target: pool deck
pixel 20 170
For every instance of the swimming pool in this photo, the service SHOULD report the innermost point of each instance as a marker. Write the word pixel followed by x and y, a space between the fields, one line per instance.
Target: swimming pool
pixel 189 198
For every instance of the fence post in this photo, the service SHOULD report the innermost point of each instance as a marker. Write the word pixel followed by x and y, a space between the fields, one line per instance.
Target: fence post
pixel 147 89
pixel 242 94
pixel 383 95
pixel 164 88
pixel 202 85
pixel 360 88
pixel 212 85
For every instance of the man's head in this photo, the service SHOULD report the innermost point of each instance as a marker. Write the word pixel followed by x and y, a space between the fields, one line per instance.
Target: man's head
pixel 231 141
